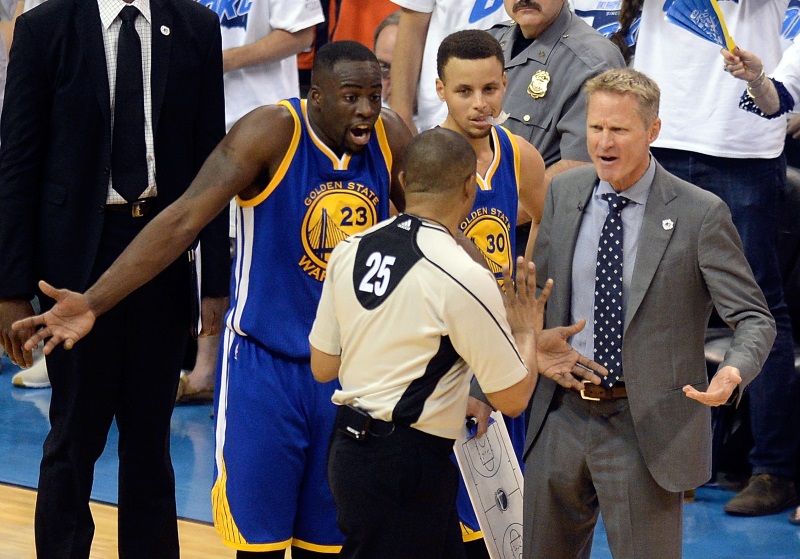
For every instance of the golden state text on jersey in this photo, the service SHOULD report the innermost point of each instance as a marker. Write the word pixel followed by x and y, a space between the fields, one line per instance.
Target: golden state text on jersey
pixel 336 210
pixel 285 235
pixel 491 224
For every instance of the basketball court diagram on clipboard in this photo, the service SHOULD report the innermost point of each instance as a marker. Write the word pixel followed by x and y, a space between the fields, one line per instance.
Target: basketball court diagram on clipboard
pixel 494 482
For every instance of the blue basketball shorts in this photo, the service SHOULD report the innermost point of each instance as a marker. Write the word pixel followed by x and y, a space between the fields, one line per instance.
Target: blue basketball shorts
pixel 274 424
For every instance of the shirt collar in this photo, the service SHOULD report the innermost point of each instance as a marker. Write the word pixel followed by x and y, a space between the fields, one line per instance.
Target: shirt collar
pixel 637 193
pixel 112 8
pixel 545 43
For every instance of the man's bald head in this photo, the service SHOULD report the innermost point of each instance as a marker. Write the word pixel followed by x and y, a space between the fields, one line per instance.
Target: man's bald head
pixel 438 161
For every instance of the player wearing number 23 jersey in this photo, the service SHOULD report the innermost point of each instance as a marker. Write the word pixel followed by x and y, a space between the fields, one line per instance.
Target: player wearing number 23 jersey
pixel 316 200
pixel 274 421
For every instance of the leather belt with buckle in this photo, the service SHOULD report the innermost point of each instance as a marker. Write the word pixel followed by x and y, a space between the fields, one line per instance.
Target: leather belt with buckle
pixel 596 392
pixel 138 208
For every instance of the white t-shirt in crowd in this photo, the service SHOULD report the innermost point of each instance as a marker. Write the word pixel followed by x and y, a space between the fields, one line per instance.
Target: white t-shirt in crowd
pixel 699 100
pixel 447 16
pixel 265 84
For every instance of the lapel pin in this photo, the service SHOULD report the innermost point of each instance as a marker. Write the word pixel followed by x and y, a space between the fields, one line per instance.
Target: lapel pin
pixel 667 224
pixel 164 30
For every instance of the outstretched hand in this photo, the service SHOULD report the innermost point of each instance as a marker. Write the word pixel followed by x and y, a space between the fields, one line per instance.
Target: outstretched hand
pixel 719 389
pixel 68 321
pixel 523 309
pixel 561 363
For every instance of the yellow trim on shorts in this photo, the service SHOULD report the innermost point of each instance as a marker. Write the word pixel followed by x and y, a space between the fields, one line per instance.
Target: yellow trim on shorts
pixel 226 525
pixel 316 547
pixel 229 532
pixel 470 535
pixel 284 166
pixel 221 511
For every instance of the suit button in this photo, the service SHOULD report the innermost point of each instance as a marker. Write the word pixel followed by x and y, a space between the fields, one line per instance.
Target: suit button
pixel 101 209
pixel 106 171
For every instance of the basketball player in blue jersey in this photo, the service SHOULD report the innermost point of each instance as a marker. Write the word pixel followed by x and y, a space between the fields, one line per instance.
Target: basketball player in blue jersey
pixel 306 175
pixel 511 190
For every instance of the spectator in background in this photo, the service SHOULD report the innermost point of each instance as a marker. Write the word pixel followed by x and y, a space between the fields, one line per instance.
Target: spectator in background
pixel 305 60
pixel 769 97
pixel 708 141
pixel 357 20
pixel 35 376
pixel 259 47
pixel 384 44
pixel 620 28
pixel 423 25
pixel 550 53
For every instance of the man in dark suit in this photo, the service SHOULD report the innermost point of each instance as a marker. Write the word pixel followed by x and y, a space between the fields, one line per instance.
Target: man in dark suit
pixel 82 171
pixel 631 446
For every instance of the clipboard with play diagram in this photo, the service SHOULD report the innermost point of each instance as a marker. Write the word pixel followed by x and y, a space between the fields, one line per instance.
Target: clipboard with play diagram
pixel 494 483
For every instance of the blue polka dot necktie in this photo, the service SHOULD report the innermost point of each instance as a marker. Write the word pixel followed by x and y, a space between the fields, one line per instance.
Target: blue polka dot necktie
pixel 608 315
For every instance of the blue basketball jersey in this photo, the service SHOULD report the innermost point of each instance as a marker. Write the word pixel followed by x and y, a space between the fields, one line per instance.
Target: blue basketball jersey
pixel 285 235
pixel 491 224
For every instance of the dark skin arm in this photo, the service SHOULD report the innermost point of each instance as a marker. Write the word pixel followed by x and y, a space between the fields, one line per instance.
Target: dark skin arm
pixel 240 165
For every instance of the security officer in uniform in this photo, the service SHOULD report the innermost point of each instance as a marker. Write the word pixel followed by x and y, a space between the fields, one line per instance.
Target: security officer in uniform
pixel 550 53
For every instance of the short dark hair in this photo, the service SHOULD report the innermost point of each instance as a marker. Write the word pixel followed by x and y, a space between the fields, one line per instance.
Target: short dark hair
pixel 471 44
pixel 391 19
pixel 331 54
pixel 438 161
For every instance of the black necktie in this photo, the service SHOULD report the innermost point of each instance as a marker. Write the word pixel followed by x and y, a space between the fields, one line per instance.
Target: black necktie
pixel 608 316
pixel 128 152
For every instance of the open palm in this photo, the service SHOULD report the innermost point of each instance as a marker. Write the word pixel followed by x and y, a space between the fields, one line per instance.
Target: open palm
pixel 68 321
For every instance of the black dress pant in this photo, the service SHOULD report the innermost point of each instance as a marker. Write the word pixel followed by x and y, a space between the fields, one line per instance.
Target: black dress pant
pixel 126 369
pixel 395 496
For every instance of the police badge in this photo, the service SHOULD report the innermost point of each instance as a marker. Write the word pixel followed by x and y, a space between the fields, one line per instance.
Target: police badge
pixel 538 86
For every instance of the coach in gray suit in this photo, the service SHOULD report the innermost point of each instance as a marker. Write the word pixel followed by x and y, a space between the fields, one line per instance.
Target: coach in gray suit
pixel 632 445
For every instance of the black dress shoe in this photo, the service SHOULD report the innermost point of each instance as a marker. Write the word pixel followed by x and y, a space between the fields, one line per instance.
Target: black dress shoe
pixel 764 494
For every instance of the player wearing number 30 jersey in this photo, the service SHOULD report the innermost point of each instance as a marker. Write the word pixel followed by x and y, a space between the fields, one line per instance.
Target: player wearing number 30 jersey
pixel 510 175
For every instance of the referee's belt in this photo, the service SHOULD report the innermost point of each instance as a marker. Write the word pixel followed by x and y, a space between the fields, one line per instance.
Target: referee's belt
pixel 138 208
pixel 595 392
pixel 358 424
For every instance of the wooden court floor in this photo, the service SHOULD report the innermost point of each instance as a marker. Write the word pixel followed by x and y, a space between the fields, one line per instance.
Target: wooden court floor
pixel 198 540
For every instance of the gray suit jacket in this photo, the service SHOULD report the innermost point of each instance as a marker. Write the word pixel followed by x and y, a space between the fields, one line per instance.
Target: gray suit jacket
pixel 680 271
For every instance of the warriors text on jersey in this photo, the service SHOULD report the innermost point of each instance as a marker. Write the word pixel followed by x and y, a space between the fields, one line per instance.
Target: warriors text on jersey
pixel 285 235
